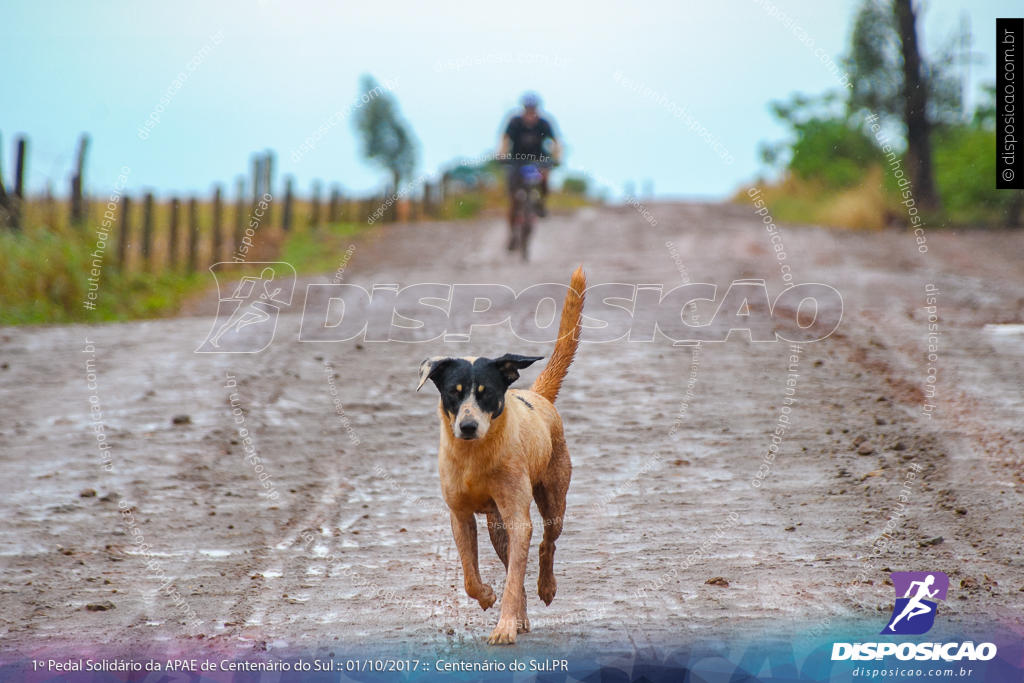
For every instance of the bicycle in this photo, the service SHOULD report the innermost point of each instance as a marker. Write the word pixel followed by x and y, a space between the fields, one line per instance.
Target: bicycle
pixel 524 180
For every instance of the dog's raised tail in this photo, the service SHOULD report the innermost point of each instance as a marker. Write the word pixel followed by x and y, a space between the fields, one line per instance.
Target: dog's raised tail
pixel 549 381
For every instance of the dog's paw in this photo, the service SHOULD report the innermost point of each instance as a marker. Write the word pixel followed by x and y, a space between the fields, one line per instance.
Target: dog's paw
pixel 546 586
pixel 523 625
pixel 487 597
pixel 504 633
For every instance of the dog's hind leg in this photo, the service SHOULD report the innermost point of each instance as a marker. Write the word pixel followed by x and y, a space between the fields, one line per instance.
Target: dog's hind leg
pixel 550 498
pixel 464 530
pixel 499 536
pixel 499 539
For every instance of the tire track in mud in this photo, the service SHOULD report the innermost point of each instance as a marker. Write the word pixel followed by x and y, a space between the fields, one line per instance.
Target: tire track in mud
pixel 310 516
pixel 284 568
pixel 952 446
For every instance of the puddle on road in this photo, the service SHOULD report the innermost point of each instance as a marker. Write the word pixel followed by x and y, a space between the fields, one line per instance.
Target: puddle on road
pixel 1008 329
pixel 1006 339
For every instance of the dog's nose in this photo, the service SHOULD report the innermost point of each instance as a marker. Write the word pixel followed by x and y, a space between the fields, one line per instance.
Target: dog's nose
pixel 468 427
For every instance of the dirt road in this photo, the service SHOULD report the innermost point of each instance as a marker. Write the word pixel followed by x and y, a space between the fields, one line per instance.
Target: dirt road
pixel 253 570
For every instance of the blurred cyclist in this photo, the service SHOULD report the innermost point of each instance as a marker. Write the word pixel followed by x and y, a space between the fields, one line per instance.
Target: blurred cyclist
pixel 525 140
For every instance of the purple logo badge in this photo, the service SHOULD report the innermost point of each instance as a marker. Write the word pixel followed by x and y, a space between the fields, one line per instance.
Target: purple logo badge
pixel 914 611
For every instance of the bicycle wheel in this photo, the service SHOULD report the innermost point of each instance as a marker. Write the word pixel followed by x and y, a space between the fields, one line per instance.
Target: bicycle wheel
pixel 518 218
pixel 526 228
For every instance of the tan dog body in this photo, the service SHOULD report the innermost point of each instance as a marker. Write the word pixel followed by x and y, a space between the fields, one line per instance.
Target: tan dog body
pixel 497 462
pixel 520 442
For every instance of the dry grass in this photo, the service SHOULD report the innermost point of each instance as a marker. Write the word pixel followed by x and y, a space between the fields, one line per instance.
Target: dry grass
pixel 864 207
pixel 45 268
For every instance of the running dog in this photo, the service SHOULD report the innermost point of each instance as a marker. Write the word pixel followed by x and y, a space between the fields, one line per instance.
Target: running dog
pixel 500 448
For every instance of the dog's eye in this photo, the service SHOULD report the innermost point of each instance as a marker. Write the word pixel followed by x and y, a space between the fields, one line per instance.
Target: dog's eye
pixel 453 392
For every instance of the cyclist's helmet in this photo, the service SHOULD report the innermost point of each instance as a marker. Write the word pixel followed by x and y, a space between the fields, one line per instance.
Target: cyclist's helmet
pixel 530 100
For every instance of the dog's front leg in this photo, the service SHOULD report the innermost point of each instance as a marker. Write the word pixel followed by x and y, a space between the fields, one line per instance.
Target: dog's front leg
pixel 464 530
pixel 513 599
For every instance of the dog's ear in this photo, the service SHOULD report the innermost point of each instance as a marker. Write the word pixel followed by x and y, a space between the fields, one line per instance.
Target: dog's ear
pixel 432 368
pixel 510 364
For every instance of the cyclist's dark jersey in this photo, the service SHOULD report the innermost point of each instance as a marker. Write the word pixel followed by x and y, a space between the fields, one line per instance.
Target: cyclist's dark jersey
pixel 528 141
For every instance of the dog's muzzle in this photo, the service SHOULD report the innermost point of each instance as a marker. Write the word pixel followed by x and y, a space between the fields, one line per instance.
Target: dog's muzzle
pixel 468 429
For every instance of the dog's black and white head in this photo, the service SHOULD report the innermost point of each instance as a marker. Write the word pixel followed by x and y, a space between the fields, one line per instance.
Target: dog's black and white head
pixel 473 389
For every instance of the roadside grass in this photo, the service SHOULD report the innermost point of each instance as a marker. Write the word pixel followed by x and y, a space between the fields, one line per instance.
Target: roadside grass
pixel 318 250
pixel 46 275
pixel 45 278
pixel 48 271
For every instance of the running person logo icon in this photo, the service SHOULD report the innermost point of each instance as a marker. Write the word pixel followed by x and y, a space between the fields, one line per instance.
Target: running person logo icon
pixel 914 613
pixel 249 304
pixel 246 320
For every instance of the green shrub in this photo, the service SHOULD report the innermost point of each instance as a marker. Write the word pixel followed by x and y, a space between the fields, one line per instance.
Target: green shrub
pixel 830 151
pixel 965 172
pixel 833 151
pixel 574 186
pixel 827 146
pixel 468 205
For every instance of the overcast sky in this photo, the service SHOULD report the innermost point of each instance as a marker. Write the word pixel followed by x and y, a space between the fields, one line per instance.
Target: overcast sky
pixel 282 68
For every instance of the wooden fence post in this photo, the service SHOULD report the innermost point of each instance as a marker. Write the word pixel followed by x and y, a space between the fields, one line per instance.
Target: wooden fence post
pixel 18 203
pixel 147 233
pixel 78 208
pixel 19 170
pixel 4 208
pixel 257 180
pixel 239 217
pixel 314 213
pixel 123 234
pixel 51 206
pixel 268 170
pixel 286 216
pixel 172 247
pixel 193 235
pixel 218 234
pixel 332 210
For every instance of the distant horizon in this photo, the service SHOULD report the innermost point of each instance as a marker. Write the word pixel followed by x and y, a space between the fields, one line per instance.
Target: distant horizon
pixel 229 195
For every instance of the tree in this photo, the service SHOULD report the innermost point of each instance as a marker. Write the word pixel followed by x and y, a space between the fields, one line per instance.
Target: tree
pixel 915 108
pixel 827 144
pixel 891 78
pixel 875 62
pixel 831 146
pixel 386 137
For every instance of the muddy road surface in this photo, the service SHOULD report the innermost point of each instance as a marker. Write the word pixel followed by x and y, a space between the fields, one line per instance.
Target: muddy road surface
pixel 646 493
